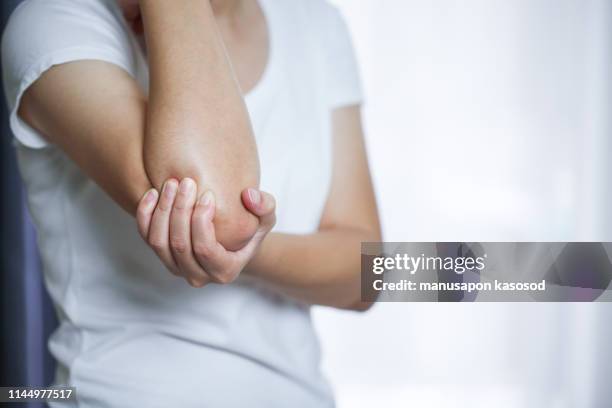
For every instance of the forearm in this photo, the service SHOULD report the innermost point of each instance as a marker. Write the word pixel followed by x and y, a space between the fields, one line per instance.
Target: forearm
pixel 65 104
pixel 320 268
pixel 197 123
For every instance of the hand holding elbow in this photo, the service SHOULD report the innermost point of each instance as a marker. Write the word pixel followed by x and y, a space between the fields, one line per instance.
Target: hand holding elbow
pixel 181 230
pixel 234 224
pixel 203 156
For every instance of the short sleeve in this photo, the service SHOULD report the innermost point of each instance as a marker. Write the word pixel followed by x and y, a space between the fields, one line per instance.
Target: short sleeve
pixel 44 33
pixel 342 83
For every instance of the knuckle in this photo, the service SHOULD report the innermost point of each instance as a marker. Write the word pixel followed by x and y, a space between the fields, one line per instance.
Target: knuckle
pixel 157 243
pixel 180 206
pixel 202 250
pixel 179 245
pixel 225 277
pixel 199 215
pixel 142 212
pixel 164 206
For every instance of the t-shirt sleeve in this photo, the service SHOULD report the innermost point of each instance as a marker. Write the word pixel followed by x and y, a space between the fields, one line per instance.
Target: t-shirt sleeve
pixel 343 83
pixel 44 33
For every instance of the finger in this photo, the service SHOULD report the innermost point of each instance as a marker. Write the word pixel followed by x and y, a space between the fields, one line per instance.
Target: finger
pixel 144 212
pixel 180 232
pixel 262 205
pixel 209 253
pixel 160 225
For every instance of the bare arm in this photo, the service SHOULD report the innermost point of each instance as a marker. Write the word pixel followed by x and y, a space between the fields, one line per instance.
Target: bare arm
pixel 96 113
pixel 100 127
pixel 324 267
pixel 197 122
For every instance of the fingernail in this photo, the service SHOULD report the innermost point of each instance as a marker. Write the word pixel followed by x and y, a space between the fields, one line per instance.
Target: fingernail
pixel 254 195
pixel 186 186
pixel 150 196
pixel 207 198
pixel 169 187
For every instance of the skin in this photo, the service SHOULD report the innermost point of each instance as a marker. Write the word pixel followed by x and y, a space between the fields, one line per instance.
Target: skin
pixel 293 264
pixel 174 141
pixel 138 143
pixel 185 231
pixel 205 116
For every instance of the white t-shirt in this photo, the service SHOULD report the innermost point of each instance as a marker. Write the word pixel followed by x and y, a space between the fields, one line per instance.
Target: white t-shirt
pixel 131 334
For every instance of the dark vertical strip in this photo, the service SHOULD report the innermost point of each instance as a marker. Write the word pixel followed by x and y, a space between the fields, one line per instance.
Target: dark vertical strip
pixel 26 314
pixel 12 335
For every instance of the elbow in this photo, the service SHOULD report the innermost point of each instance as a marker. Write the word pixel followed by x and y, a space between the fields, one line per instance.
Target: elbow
pixel 234 227
pixel 234 224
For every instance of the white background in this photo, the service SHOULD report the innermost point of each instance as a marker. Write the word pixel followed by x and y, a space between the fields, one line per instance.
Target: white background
pixel 486 120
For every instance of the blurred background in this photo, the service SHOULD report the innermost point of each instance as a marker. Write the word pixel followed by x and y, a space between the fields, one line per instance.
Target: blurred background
pixel 486 120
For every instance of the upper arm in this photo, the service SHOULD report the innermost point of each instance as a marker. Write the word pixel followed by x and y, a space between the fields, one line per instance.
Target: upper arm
pixel 351 202
pixel 67 72
pixel 99 127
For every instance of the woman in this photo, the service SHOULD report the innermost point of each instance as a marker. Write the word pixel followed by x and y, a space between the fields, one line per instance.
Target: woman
pixel 176 112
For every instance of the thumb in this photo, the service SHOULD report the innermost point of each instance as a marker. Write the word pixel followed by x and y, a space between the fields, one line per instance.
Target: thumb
pixel 258 202
pixel 261 204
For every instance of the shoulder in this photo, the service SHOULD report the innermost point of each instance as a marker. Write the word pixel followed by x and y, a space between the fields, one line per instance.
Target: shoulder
pixel 38 26
pixel 43 33
pixel 44 15
pixel 55 31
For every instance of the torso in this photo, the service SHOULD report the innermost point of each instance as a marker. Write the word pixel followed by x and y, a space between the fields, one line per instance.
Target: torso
pixel 130 330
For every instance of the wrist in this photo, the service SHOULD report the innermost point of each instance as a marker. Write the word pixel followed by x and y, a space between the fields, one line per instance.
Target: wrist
pixel 263 257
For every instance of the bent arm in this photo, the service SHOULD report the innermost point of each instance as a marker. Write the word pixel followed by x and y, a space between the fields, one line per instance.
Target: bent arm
pixel 197 123
pixel 195 126
pixel 99 127
pixel 324 267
